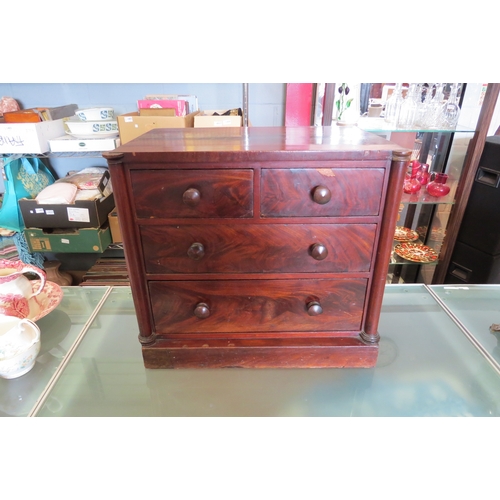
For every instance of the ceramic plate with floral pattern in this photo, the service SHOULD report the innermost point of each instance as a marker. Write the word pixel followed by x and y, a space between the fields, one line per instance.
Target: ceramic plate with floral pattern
pixel 40 305
pixel 405 234
pixel 416 253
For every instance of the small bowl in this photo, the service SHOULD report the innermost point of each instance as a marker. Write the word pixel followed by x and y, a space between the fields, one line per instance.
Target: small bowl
pixel 95 114
pixel 19 365
pixel 100 128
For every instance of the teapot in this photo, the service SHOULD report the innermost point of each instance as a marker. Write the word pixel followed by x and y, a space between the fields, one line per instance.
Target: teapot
pixel 16 289
pixel 19 346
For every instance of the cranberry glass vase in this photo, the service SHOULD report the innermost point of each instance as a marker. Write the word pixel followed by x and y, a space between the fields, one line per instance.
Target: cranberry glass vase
pixel 438 186
pixel 423 174
pixel 411 183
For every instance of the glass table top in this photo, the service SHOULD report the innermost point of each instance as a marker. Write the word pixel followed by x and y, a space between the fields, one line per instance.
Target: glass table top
pixel 427 366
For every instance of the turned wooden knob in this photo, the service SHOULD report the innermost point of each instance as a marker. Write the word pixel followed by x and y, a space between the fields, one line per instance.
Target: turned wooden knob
pixel 202 310
pixel 322 195
pixel 319 251
pixel 191 197
pixel 314 309
pixel 196 251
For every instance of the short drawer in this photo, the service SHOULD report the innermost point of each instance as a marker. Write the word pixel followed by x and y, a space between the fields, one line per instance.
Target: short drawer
pixel 258 248
pixel 192 193
pixel 332 192
pixel 246 306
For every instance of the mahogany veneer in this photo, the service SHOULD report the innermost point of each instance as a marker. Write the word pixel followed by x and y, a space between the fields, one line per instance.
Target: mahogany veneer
pixel 258 247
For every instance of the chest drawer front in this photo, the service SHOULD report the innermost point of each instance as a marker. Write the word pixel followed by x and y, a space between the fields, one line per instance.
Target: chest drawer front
pixel 339 191
pixel 192 193
pixel 257 306
pixel 254 248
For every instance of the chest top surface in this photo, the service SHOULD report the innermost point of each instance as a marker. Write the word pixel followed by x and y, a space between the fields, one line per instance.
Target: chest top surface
pixel 256 144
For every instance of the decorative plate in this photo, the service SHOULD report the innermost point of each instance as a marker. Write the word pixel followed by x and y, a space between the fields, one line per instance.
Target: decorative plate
pixel 40 305
pixel 405 234
pixel 416 253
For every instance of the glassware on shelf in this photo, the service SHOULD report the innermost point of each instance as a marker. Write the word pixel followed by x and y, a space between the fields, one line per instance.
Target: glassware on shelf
pixel 438 187
pixel 434 113
pixel 411 184
pixel 393 105
pixel 421 116
pixel 451 109
pixel 423 174
pixel 409 107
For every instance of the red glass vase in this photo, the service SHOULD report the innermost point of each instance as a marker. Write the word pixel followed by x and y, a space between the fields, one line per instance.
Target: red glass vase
pixel 411 184
pixel 438 187
pixel 423 174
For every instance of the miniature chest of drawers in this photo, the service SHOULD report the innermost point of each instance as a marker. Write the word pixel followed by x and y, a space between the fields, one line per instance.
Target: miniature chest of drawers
pixel 258 247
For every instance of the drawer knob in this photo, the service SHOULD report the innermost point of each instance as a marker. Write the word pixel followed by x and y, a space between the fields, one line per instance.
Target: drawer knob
pixel 191 197
pixel 319 251
pixel 196 251
pixel 314 309
pixel 202 310
pixel 322 195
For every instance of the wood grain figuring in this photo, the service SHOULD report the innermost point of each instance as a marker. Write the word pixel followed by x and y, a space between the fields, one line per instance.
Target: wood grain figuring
pixel 289 193
pixel 223 193
pixel 257 305
pixel 257 247
pixel 253 248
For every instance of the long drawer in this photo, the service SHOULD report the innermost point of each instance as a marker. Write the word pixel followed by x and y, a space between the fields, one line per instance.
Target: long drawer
pixel 258 248
pixel 321 192
pixel 246 306
pixel 192 193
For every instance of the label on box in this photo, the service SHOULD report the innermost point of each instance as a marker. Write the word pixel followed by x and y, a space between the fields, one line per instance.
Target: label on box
pixel 39 210
pixel 78 214
pixel 64 240
pixel 49 212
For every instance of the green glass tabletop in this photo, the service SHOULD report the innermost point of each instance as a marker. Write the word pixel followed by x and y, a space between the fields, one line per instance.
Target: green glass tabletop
pixel 426 367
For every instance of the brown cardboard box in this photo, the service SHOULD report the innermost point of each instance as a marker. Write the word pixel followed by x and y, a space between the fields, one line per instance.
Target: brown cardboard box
pixel 132 125
pixel 114 225
pixel 207 119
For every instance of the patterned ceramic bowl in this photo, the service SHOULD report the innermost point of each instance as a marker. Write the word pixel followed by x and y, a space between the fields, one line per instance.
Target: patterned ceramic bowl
pixel 93 128
pixel 95 114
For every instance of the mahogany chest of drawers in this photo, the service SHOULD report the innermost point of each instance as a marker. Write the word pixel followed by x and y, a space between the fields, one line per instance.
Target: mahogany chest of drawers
pixel 258 247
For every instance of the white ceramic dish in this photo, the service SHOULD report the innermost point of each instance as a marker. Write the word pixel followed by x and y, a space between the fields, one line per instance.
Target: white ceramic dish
pixel 46 301
pixel 95 114
pixel 102 128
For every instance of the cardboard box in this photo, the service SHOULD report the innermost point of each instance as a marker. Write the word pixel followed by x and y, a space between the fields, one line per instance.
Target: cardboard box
pixel 114 225
pixel 156 112
pixel 93 240
pixel 83 213
pixel 70 144
pixel 31 138
pixel 207 119
pixel 132 125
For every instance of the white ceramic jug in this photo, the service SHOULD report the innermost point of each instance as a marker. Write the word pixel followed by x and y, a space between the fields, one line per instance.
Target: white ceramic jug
pixel 16 289
pixel 19 346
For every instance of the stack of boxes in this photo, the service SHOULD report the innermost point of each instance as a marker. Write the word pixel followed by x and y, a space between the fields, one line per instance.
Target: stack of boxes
pixel 81 227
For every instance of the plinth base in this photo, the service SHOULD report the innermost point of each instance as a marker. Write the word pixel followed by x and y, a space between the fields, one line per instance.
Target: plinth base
pixel 339 352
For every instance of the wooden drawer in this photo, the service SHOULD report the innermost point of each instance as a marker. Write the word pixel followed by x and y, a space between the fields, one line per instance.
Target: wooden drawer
pixel 257 305
pixel 192 193
pixel 291 192
pixel 258 248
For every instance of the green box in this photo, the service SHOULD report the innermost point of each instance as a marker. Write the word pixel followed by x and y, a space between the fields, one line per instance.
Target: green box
pixel 88 240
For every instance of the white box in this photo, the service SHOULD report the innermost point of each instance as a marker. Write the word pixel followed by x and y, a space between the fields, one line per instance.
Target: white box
pixel 32 138
pixel 70 144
